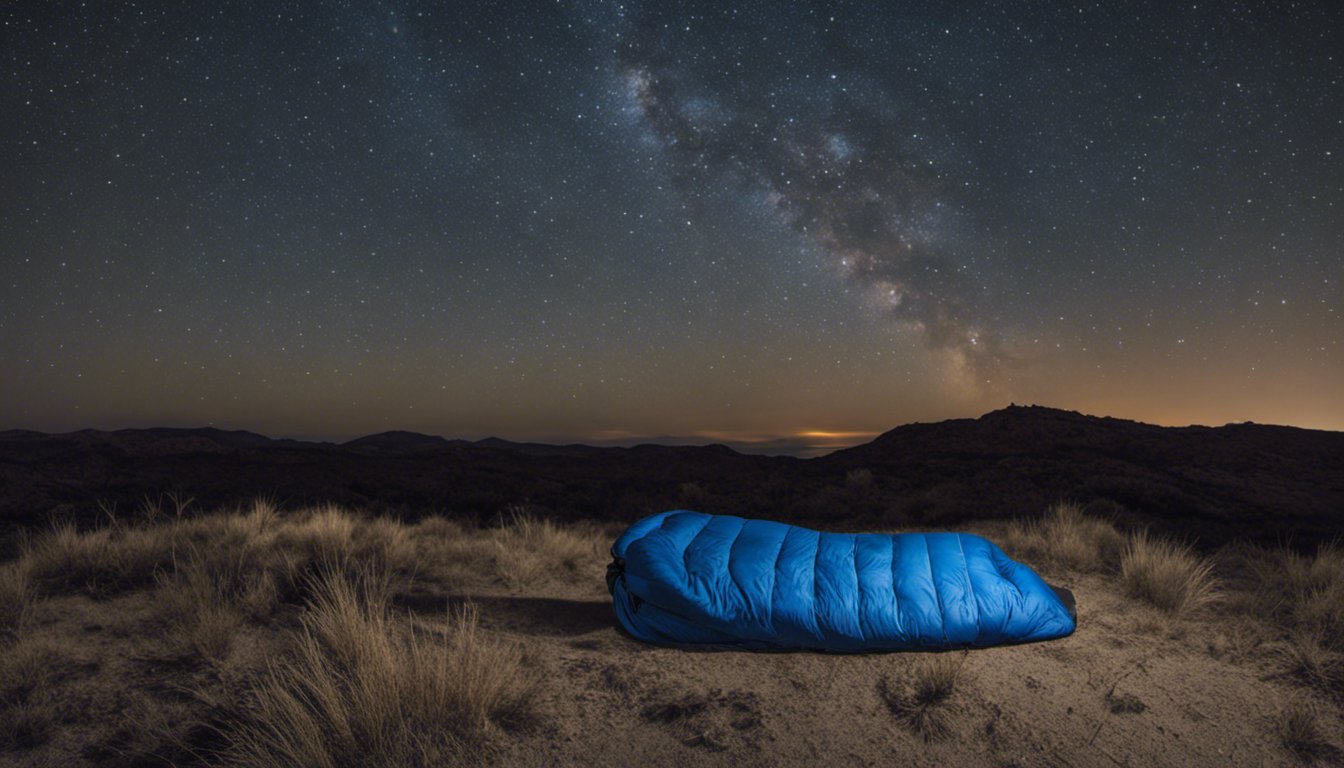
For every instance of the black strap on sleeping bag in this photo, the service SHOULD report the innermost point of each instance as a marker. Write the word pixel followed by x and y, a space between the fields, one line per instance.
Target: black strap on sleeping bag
pixel 615 571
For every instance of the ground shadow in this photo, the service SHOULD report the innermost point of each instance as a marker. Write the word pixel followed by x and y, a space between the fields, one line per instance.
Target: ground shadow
pixel 542 616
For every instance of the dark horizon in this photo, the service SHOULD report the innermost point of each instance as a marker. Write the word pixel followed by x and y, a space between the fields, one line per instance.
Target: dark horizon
pixel 805 445
pixel 1219 483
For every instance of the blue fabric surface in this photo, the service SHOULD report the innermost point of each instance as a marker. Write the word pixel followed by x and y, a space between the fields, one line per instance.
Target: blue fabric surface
pixel 689 578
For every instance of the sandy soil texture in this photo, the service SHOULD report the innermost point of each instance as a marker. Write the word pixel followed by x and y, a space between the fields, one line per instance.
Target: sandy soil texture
pixel 103 678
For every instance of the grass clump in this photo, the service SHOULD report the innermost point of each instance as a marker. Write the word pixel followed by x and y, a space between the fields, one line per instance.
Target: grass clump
pixel 1304 593
pixel 27 711
pixel 1302 596
pixel 449 553
pixel 1066 537
pixel 385 544
pixel 100 562
pixel 920 700
pixel 1301 732
pixel 201 607
pixel 1167 574
pixel 1311 659
pixel 529 551
pixel 16 597
pixel 228 570
pixel 358 690
pixel 25 726
pixel 325 535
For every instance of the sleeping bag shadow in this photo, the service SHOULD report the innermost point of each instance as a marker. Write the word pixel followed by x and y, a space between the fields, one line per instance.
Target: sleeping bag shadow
pixel 692 579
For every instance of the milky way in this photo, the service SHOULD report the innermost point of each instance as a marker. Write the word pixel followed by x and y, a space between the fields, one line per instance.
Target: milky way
pixel 840 163
pixel 761 223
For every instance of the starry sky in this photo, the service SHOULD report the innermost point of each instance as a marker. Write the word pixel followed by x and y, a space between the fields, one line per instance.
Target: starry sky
pixel 770 224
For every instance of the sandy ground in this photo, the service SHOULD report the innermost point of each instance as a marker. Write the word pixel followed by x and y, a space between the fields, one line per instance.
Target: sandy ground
pixel 1130 688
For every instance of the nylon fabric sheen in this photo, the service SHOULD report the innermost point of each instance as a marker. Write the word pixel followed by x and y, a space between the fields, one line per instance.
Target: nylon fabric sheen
pixel 689 578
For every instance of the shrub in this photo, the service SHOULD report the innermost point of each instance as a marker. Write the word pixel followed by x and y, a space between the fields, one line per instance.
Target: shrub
pixel 1167 574
pixel 691 494
pixel 859 481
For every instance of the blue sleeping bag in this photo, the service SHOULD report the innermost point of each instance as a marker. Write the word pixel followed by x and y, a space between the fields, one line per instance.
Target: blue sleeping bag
pixel 688 578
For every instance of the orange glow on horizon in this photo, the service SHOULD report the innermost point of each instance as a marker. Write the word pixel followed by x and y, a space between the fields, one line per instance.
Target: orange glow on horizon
pixel 822 434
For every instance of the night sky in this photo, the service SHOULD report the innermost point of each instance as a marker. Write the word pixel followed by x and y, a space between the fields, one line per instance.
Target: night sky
pixel 596 221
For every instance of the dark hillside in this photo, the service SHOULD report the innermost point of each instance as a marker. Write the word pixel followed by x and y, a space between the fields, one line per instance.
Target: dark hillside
pixel 1239 480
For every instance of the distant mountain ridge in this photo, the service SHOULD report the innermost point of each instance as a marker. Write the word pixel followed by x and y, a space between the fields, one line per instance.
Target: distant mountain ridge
pixel 1235 480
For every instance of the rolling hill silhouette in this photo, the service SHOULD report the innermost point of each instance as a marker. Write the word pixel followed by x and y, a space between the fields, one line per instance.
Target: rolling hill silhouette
pixel 1236 481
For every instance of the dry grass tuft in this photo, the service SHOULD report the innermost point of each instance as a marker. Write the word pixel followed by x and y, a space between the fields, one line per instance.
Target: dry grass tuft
pixel 919 700
pixel 1236 640
pixel 197 608
pixel 100 562
pixel 1301 732
pixel 16 597
pixel 359 688
pixel 1167 574
pixel 448 553
pixel 1302 573
pixel 385 544
pixel 24 669
pixel 27 712
pixel 1320 610
pixel 1302 596
pixel 1311 659
pixel 178 730
pixel 360 691
pixel 210 629
pixel 326 535
pixel 523 552
pixel 229 570
pixel 1303 593
pixel 25 726
pixel 1067 538
pixel 529 551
